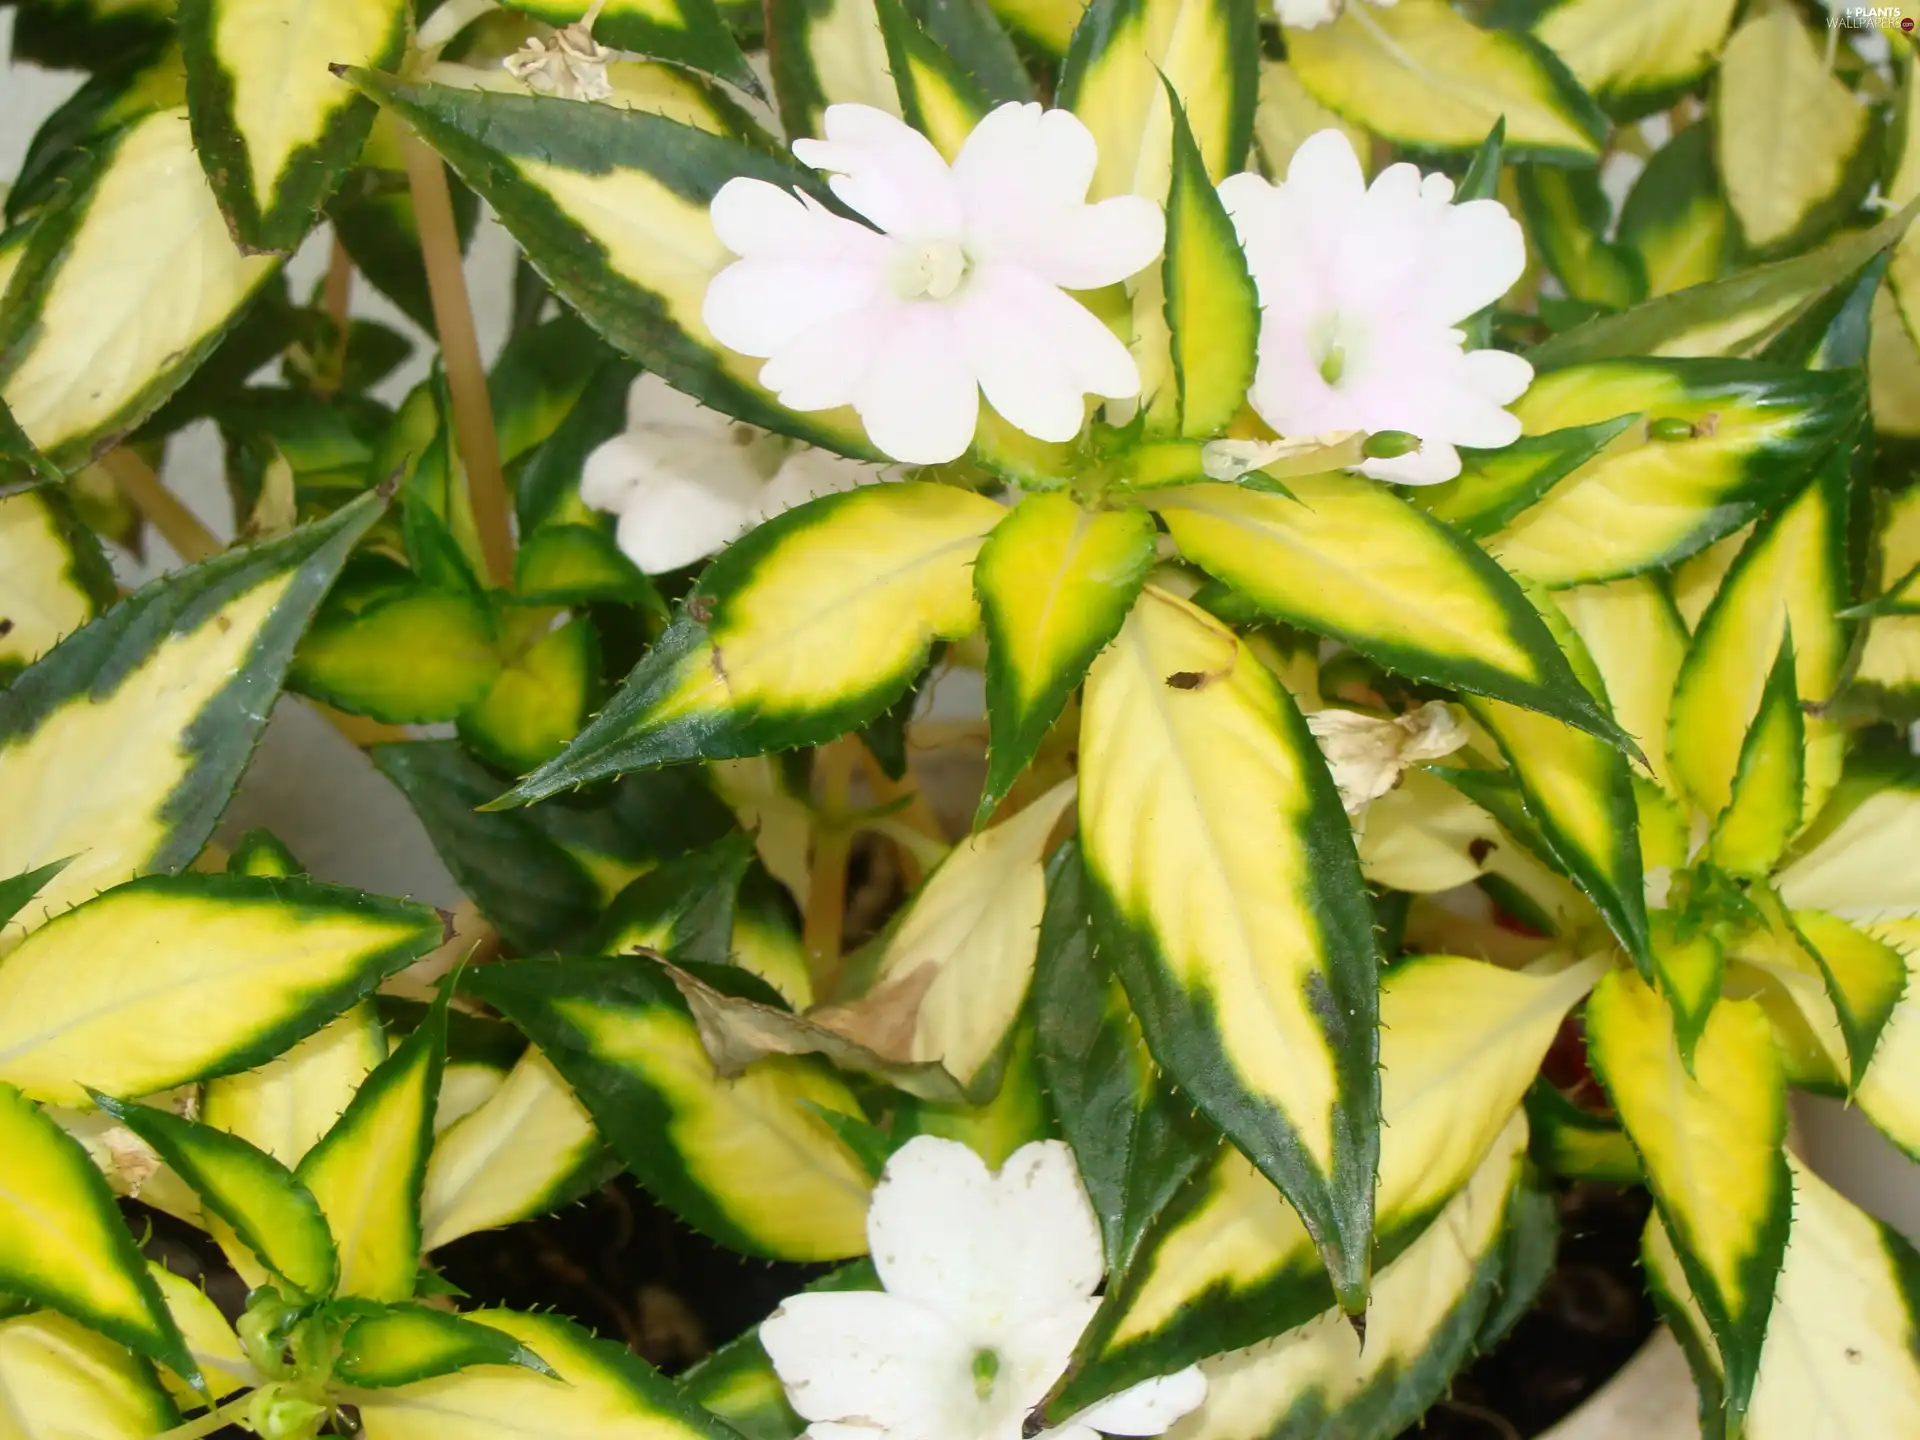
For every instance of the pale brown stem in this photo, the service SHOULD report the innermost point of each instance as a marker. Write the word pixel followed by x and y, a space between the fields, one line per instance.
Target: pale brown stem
pixel 177 525
pixel 832 842
pixel 917 813
pixel 335 295
pixel 460 353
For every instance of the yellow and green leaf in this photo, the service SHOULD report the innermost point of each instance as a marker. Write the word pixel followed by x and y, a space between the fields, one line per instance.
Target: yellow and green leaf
pixel 1791 139
pixel 270 1211
pixel 1768 791
pixel 175 978
pixel 64 1245
pixel 937 96
pixel 1212 307
pixel 367 1171
pixel 1455 1290
pixel 1887 1093
pixel 1712 1143
pixel 284 1106
pixel 599 1388
pixel 1424 76
pixel 1129 58
pixel 747 1160
pixel 1229 1263
pixel 58 1379
pixel 1578 792
pixel 274 128
pixel 1568 216
pixel 53 576
pixel 1568 1140
pixel 1496 485
pixel 953 975
pixel 811 626
pixel 171 979
pixel 104 331
pixel 827 54
pixel 526 1151
pixel 681 908
pixel 1287 116
pixel 541 697
pixel 416 655
pixel 1738 316
pixel 1646 502
pixel 1841 1342
pixel 1675 218
pixel 1423 601
pixel 1226 888
pixel 392 1345
pixel 1636 640
pixel 1790 579
pixel 1638 56
pixel 1055 582
pixel 615 205
pixel 222 1359
pixel 123 743
pixel 1689 965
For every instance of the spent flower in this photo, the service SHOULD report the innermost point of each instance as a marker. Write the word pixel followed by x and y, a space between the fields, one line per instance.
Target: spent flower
pixel 957 286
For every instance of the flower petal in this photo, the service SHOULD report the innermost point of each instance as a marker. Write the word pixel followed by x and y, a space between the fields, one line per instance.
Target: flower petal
pixel 870 1357
pixel 1479 251
pixel 888 171
pixel 654 405
pixel 1150 1407
pixel 753 217
pixel 991 1253
pixel 759 306
pixel 1434 462
pixel 1502 377
pixel 1324 175
pixel 1039 352
pixel 612 471
pixel 825 366
pixel 682 514
pixel 1022 176
pixel 918 398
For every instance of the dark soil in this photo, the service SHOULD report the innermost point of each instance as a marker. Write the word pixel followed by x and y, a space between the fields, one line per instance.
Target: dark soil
pixel 1590 1317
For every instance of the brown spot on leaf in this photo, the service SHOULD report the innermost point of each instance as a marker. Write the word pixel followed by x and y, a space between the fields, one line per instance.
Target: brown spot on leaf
pixel 6 626
pixel 700 608
pixel 1480 849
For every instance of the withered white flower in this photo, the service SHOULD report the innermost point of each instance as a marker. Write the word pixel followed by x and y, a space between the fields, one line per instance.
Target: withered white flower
pixel 1361 290
pixel 990 1280
pixel 959 287
pixel 686 481
pixel 1367 754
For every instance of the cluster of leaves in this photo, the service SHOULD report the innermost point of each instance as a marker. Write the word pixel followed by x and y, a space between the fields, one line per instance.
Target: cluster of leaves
pixel 1677 615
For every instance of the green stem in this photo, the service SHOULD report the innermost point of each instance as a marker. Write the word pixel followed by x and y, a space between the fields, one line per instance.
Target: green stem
pixel 215 1419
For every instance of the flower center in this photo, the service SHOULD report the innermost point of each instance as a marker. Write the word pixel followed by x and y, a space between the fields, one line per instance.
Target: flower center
pixel 1331 341
pixel 929 269
pixel 986 1369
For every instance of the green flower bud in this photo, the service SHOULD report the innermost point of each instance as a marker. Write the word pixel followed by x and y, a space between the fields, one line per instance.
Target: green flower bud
pixel 1390 445
pixel 1669 428
pixel 275 1414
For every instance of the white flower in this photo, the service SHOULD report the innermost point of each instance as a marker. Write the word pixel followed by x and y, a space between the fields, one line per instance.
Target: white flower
pixel 958 288
pixel 989 1282
pixel 1367 755
pixel 1360 290
pixel 686 481
pixel 1310 14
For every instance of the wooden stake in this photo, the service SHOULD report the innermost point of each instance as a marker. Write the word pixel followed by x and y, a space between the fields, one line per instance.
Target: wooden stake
pixel 335 297
pixel 177 525
pixel 460 353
